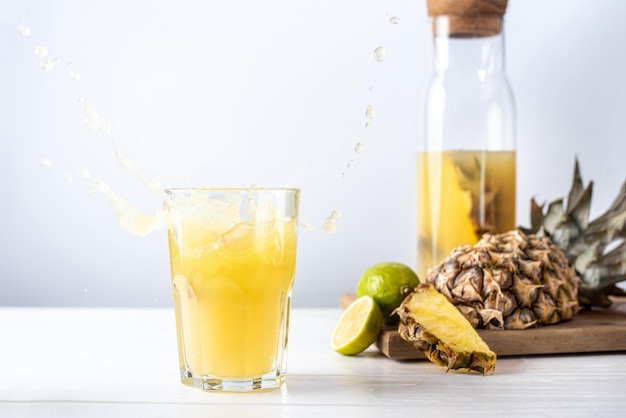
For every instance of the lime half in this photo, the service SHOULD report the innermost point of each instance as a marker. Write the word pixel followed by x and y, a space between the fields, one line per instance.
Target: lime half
pixel 358 327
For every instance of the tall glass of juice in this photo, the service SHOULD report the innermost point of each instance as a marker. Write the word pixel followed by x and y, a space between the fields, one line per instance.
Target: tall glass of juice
pixel 233 261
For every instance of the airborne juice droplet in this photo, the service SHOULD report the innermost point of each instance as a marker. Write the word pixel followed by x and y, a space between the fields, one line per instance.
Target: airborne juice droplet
pixel 23 29
pixel 41 51
pixel 74 74
pixel 369 115
pixel 94 121
pixel 49 63
pixel 84 173
pixel 330 224
pixel 379 54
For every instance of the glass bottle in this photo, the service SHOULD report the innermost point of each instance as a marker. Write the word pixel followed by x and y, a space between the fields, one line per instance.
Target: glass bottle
pixel 466 159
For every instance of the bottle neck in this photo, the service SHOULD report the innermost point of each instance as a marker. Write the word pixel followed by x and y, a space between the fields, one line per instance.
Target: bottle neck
pixel 466 53
pixel 469 103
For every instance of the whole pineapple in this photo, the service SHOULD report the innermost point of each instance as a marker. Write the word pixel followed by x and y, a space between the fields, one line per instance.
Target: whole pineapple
pixel 596 249
pixel 510 281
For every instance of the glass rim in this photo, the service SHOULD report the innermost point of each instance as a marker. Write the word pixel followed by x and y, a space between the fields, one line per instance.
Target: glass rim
pixel 171 190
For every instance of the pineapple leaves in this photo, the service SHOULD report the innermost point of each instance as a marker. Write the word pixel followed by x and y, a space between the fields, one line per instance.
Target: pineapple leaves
pixel 585 243
pixel 577 188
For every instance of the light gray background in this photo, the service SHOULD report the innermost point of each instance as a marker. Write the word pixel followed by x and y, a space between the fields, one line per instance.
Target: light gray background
pixel 270 93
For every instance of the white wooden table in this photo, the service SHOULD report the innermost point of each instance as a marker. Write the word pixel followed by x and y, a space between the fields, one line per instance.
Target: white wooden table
pixel 65 362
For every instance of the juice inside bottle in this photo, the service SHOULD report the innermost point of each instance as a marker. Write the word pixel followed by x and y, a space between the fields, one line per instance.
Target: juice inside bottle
pixel 231 295
pixel 461 195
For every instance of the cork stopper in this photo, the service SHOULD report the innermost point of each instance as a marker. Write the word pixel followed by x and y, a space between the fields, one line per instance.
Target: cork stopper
pixel 469 18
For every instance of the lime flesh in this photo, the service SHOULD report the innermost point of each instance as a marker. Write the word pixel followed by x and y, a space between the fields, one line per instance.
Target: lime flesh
pixel 358 327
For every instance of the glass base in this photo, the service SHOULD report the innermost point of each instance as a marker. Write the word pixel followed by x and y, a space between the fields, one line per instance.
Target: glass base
pixel 209 383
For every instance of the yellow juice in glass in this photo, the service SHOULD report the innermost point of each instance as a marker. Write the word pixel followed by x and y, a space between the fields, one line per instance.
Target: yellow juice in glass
pixel 232 280
pixel 461 195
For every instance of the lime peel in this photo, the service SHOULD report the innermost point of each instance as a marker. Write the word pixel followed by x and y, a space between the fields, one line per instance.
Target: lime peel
pixel 388 283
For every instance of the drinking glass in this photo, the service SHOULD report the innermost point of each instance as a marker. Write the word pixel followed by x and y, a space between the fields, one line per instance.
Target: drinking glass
pixel 233 261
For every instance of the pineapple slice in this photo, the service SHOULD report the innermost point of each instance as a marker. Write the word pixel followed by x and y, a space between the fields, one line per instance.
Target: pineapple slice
pixel 436 327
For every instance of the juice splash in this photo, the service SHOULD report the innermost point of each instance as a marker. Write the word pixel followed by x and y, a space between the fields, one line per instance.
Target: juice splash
pixel 461 195
pixel 94 121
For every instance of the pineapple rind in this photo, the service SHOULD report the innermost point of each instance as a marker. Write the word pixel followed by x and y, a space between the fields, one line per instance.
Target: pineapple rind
pixel 510 280
pixel 434 325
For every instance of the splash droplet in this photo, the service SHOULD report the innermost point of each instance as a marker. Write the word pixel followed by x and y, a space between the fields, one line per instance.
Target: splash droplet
pixel 94 121
pixel 68 177
pixel 379 54
pixel 358 147
pixel 350 164
pixel 370 112
pixel 74 74
pixel 330 224
pixel 394 20
pixel 368 124
pixel 23 29
pixel 41 51
pixel 81 99
pixel 306 226
pixel 49 63
pixel 84 173
pixel 46 162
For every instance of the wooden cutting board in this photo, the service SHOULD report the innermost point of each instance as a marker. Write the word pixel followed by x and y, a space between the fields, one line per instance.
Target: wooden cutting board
pixel 589 331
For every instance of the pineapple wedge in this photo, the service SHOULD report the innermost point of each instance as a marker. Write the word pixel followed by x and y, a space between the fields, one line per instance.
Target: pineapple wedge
pixel 436 327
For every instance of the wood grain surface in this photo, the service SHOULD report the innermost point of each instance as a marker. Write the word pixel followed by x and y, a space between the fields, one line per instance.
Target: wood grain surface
pixel 589 331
